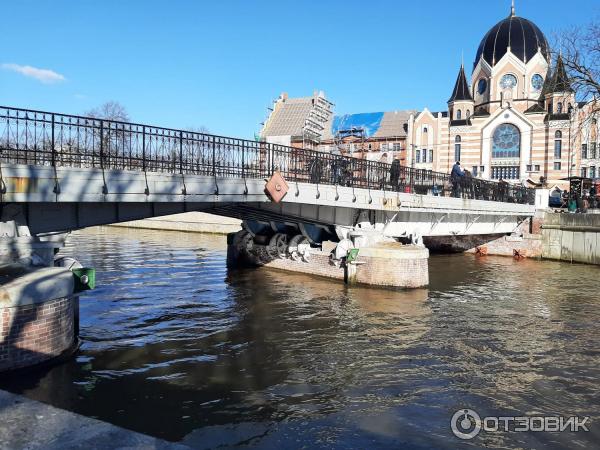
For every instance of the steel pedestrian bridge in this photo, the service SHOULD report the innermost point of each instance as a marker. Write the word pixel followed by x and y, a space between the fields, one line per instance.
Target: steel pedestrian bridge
pixel 60 172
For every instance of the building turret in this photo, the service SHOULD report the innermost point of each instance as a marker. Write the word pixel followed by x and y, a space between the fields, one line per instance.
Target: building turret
pixel 557 93
pixel 460 104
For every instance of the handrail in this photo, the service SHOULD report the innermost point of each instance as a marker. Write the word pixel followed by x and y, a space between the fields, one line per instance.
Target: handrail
pixel 45 138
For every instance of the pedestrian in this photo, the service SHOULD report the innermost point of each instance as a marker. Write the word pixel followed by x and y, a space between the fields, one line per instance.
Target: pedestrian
pixel 455 176
pixel 578 202
pixel 586 203
pixel 395 174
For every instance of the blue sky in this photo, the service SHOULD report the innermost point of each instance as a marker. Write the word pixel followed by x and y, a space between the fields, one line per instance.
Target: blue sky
pixel 219 64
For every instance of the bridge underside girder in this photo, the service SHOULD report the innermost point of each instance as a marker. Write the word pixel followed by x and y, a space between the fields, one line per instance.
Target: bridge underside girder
pixel 71 198
pixel 44 217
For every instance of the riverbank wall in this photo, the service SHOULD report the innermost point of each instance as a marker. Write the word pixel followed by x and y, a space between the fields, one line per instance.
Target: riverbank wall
pixel 571 237
pixel 525 241
pixel 193 222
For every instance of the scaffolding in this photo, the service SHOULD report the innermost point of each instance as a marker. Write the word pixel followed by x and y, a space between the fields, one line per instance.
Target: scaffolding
pixel 316 120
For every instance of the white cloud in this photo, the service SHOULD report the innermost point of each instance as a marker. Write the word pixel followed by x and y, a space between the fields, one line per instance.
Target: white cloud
pixel 46 76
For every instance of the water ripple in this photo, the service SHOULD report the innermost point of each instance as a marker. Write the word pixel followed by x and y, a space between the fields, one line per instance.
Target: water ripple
pixel 177 346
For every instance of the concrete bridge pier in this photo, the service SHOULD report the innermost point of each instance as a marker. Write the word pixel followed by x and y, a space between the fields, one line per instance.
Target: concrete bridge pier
pixel 358 256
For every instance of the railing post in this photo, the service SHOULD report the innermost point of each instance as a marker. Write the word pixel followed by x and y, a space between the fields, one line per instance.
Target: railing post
pixel 181 152
pixel 295 156
pixel 214 157
pixel 269 156
pixel 243 159
pixel 271 160
pixel 144 148
pixel 104 186
pixel 52 147
pixel 102 144
pixel 56 189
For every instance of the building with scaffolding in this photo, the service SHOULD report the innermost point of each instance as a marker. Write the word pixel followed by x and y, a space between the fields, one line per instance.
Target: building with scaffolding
pixel 297 122
pixel 308 122
pixel 378 136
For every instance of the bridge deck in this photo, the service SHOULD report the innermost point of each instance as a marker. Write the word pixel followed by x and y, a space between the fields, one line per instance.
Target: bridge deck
pixel 37 138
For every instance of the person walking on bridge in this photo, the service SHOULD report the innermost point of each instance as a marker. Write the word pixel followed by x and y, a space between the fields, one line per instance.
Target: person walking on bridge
pixel 395 174
pixel 455 177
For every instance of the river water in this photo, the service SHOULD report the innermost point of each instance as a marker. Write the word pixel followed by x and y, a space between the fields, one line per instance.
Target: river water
pixel 178 347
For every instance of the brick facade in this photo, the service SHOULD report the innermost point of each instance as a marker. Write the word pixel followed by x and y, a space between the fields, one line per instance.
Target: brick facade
pixel 32 334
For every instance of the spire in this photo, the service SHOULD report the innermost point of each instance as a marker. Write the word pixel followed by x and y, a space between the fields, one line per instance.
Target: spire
pixel 461 88
pixel 512 9
pixel 560 80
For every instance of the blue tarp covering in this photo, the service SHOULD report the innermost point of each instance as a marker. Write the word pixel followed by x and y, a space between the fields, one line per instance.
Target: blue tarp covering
pixel 370 122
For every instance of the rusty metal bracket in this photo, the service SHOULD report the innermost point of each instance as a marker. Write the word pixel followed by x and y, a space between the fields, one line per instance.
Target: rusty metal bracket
pixel 276 187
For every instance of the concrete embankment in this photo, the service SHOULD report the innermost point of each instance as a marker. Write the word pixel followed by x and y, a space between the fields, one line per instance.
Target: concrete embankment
pixel 28 424
pixel 571 237
pixel 550 235
pixel 526 241
pixel 196 222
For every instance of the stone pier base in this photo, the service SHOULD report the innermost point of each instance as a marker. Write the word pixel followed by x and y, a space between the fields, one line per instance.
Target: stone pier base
pixel 392 264
pixel 38 314
pixel 388 264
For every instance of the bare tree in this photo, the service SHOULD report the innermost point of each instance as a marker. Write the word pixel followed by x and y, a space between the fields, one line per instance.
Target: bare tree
pixel 111 111
pixel 579 49
pixel 201 129
pixel 112 139
pixel 579 52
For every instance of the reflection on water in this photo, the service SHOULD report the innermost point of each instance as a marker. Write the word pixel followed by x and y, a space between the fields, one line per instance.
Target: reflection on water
pixel 176 346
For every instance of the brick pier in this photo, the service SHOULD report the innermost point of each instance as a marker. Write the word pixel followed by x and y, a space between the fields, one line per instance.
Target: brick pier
pixel 38 314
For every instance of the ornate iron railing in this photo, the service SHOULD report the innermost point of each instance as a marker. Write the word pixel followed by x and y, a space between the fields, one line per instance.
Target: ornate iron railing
pixel 51 139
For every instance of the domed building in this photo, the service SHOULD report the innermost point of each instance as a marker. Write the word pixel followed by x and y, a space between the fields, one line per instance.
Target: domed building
pixel 511 119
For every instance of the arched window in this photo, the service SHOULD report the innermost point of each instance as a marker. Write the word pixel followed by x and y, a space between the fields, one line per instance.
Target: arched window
pixel 559 108
pixel 458 114
pixel 592 172
pixel 468 113
pixel 506 141
pixel 457 141
pixel 557 144
pixel 570 109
